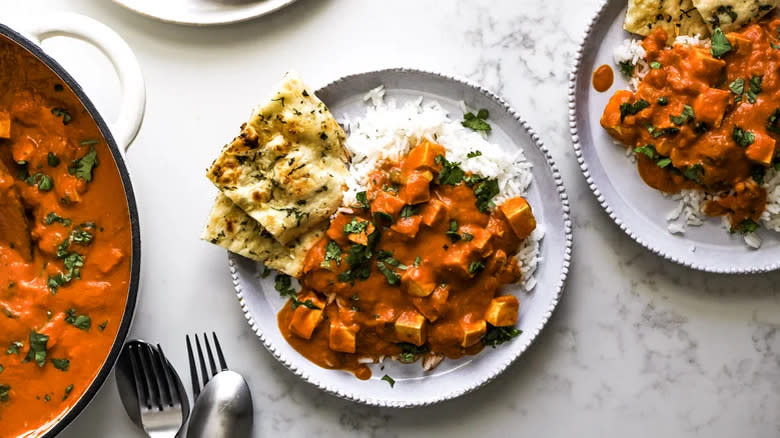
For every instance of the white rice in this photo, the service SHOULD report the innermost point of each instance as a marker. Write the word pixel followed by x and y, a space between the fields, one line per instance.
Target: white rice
pixel 633 52
pixel 388 131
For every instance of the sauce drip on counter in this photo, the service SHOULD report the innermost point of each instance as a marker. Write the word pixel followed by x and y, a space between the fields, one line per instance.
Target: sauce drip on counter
pixel 65 246
pixel 603 78
pixel 415 271
pixel 705 120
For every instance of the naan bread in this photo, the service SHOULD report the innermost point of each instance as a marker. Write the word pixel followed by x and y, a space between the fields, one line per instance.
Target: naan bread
pixel 677 17
pixel 288 166
pixel 731 15
pixel 231 228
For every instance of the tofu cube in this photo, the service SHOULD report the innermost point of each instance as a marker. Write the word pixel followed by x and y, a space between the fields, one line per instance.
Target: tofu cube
pixel 419 281
pixel 610 119
pixel 387 203
pixel 410 327
pixel 361 237
pixel 305 320
pixel 762 150
pixel 433 212
pixel 710 106
pixel 519 215
pixel 407 226
pixel 704 65
pixel 458 259
pixel 739 43
pixel 423 156
pixel 434 306
pixel 5 125
pixel 497 227
pixel 480 238
pixel 502 311
pixel 473 331
pixel 417 187
pixel 343 337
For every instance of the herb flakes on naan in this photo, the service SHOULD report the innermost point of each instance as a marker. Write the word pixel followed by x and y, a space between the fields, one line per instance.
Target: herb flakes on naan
pixel 231 228
pixel 288 166
pixel 677 17
pixel 731 15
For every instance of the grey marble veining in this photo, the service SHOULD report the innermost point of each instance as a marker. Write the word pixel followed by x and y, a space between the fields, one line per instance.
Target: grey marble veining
pixel 638 347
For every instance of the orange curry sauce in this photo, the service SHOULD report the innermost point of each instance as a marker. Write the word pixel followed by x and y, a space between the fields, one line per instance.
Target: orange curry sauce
pixel 65 246
pixel 415 271
pixel 706 122
pixel 603 77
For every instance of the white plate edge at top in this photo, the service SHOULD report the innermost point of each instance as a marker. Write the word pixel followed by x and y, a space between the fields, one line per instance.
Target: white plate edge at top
pixel 288 362
pixel 231 15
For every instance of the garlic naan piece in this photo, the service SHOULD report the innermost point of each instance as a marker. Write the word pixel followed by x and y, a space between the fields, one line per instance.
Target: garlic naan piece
pixel 677 17
pixel 231 228
pixel 288 166
pixel 731 15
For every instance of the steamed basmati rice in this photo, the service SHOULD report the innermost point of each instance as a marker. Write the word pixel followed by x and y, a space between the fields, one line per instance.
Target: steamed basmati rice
pixel 388 130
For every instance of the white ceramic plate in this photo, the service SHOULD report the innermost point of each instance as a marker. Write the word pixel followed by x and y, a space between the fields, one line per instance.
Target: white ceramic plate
pixel 452 378
pixel 204 12
pixel 637 209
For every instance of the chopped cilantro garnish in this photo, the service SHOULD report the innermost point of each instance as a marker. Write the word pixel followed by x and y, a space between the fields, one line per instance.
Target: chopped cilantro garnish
pixel 332 252
pixel 417 261
pixel 720 44
pixel 62 112
pixel 392 277
pixel 81 322
pixel 655 65
pixel 738 86
pixel 473 154
pixel 630 109
pixel 37 352
pixel 663 101
pixel 54 217
pixel 687 115
pixel 82 167
pixel 4 391
pixel 477 122
pixel 14 348
pixel 408 211
pixel 747 226
pixel 755 88
pixel 355 226
pixel 52 159
pixel 452 231
pixel 771 122
pixel 647 150
pixel 362 200
pixel 627 69
pixel 389 380
pixel 61 364
pixel 496 336
pixel 451 173
pixel 742 137
pixel 475 267
pixel 695 172
pixel 68 390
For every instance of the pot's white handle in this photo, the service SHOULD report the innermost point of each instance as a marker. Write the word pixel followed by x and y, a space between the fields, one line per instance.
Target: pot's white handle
pixel 133 93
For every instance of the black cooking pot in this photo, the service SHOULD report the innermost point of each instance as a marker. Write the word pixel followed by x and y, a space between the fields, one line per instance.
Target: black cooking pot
pixel 131 112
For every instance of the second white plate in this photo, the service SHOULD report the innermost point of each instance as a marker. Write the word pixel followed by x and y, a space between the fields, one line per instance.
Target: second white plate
pixel 637 209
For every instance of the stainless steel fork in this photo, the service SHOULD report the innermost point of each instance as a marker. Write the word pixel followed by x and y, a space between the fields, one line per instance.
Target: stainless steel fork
pixel 196 386
pixel 151 390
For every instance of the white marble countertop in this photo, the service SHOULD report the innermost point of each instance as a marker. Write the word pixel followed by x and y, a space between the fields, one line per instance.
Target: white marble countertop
pixel 638 347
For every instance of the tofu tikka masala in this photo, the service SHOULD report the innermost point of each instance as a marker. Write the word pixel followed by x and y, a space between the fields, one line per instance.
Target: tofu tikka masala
pixel 414 270
pixel 65 246
pixel 706 118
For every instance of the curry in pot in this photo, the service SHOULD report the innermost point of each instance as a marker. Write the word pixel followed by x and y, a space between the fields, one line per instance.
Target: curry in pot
pixel 65 246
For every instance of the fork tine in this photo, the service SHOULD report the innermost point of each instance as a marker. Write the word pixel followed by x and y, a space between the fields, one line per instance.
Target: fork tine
pixel 138 377
pixel 222 362
pixel 166 393
pixel 203 371
pixel 193 369
pixel 211 356
pixel 151 377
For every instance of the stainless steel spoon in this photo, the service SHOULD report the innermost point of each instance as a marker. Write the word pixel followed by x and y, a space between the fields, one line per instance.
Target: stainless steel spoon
pixel 223 408
pixel 223 405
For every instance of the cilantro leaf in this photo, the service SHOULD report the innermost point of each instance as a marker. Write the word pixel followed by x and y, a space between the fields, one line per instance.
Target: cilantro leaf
pixel 687 115
pixel 496 336
pixel 82 167
pixel 355 226
pixel 720 44
pixel 389 380
pixel 61 364
pixel 630 109
pixel 477 122
pixel 742 137
pixel 37 352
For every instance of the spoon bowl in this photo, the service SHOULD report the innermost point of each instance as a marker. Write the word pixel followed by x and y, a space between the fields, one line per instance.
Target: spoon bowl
pixel 223 409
